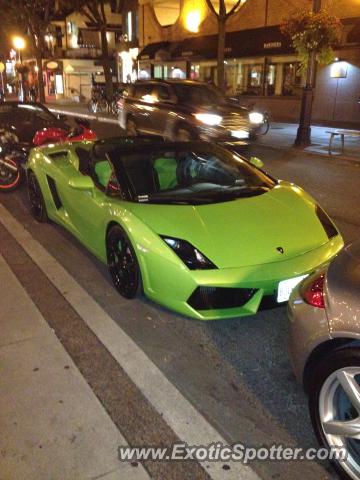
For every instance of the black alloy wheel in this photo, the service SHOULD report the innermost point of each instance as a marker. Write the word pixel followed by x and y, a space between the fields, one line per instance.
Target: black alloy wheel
pixel 37 203
pixel 122 262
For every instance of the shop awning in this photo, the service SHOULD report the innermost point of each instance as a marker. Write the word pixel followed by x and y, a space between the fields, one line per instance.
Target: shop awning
pixel 150 51
pixel 265 41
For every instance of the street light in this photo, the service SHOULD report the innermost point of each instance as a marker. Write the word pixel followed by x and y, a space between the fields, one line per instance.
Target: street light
pixel 19 44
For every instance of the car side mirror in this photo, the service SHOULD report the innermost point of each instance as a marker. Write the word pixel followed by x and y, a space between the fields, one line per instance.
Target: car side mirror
pixel 256 162
pixel 82 182
pixel 62 117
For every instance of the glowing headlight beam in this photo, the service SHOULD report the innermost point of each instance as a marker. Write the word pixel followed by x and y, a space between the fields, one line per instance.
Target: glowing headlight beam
pixel 208 118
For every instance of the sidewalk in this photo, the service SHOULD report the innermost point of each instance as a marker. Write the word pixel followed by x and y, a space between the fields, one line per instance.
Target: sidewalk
pixel 280 135
pixel 52 425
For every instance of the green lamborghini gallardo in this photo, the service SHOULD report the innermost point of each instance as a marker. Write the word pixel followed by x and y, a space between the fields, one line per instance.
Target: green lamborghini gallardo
pixel 193 226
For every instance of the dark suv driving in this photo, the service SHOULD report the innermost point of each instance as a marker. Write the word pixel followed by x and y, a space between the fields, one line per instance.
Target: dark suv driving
pixel 184 110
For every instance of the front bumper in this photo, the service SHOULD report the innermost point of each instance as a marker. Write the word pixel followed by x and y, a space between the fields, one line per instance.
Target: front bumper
pixel 175 286
pixel 227 136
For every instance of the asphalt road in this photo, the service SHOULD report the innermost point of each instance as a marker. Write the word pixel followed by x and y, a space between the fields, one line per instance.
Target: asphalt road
pixel 235 372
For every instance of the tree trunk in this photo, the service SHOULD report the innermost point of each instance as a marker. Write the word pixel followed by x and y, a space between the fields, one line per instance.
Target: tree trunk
pixel 221 53
pixel 106 63
pixel 40 76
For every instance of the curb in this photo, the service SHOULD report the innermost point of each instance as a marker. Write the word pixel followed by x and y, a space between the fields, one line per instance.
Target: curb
pixel 87 116
pixel 113 121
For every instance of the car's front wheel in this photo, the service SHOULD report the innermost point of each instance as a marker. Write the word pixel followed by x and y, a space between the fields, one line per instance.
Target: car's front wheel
pixel 37 202
pixel 123 264
pixel 334 402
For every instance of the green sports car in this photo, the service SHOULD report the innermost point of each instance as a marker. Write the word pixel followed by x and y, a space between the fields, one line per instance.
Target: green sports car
pixel 194 226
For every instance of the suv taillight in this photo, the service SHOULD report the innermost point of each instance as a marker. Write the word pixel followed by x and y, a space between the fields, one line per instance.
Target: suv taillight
pixel 313 291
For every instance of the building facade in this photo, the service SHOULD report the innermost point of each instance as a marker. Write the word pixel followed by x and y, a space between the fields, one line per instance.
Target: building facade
pixel 178 39
pixel 73 54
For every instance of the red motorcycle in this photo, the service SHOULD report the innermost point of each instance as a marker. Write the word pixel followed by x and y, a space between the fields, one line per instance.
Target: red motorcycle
pixel 81 132
pixel 13 156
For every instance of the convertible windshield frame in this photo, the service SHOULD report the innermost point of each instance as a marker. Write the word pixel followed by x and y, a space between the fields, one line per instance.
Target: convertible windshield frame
pixel 201 192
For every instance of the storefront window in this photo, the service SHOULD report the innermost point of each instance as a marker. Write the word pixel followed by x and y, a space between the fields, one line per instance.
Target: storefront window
pixel 158 71
pixel 293 80
pixel 270 79
pixel 255 79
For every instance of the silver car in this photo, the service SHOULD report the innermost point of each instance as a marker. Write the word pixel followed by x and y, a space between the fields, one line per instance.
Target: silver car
pixel 324 314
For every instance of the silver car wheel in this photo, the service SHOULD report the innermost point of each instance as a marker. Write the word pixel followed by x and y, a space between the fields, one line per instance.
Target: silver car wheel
pixel 339 412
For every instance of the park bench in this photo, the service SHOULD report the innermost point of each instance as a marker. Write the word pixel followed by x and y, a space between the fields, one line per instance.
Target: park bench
pixel 341 134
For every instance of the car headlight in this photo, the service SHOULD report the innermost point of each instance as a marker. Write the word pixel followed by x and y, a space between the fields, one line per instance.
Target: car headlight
pixel 256 117
pixel 190 255
pixel 208 118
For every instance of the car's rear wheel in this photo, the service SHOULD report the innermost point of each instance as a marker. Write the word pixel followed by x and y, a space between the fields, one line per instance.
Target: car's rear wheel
pixel 131 128
pixel 334 402
pixel 37 203
pixel 123 264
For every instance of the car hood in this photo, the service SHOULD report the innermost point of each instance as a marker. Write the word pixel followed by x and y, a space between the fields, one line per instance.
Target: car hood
pixel 274 226
pixel 343 291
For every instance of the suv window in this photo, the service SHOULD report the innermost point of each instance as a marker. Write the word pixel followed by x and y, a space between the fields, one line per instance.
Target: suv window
pixel 161 92
pixel 142 90
pixel 198 94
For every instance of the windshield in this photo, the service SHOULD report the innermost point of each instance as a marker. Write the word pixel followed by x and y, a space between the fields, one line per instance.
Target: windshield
pixel 201 94
pixel 189 176
pixel 36 110
pixel 25 111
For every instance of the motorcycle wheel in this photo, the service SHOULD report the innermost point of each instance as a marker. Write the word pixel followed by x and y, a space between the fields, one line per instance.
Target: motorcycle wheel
pixel 10 179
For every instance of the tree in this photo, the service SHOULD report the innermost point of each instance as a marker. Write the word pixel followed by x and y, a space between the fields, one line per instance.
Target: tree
pixel 313 34
pixel 222 16
pixel 32 17
pixel 94 11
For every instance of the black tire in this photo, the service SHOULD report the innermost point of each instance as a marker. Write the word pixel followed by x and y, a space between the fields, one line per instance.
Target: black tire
pixel 320 383
pixel 131 127
pixel 183 133
pixel 123 264
pixel 265 127
pixel 36 199
pixel 10 180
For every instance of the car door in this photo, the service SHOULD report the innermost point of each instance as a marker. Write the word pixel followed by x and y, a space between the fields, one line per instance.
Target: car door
pixel 143 106
pixel 81 201
pixel 163 102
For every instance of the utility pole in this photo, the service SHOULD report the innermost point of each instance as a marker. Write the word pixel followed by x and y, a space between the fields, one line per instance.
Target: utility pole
pixel 303 137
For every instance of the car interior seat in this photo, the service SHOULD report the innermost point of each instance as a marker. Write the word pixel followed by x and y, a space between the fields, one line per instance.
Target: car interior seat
pixel 166 169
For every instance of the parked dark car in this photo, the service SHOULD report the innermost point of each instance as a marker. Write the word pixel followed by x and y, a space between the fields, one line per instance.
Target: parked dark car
pixel 184 110
pixel 24 119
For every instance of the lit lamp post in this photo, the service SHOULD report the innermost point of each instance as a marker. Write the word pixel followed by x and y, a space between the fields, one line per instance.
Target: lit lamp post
pixel 303 137
pixel 19 44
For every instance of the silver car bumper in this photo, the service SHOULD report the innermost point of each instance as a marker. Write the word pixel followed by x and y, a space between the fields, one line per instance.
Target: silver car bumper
pixel 308 328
